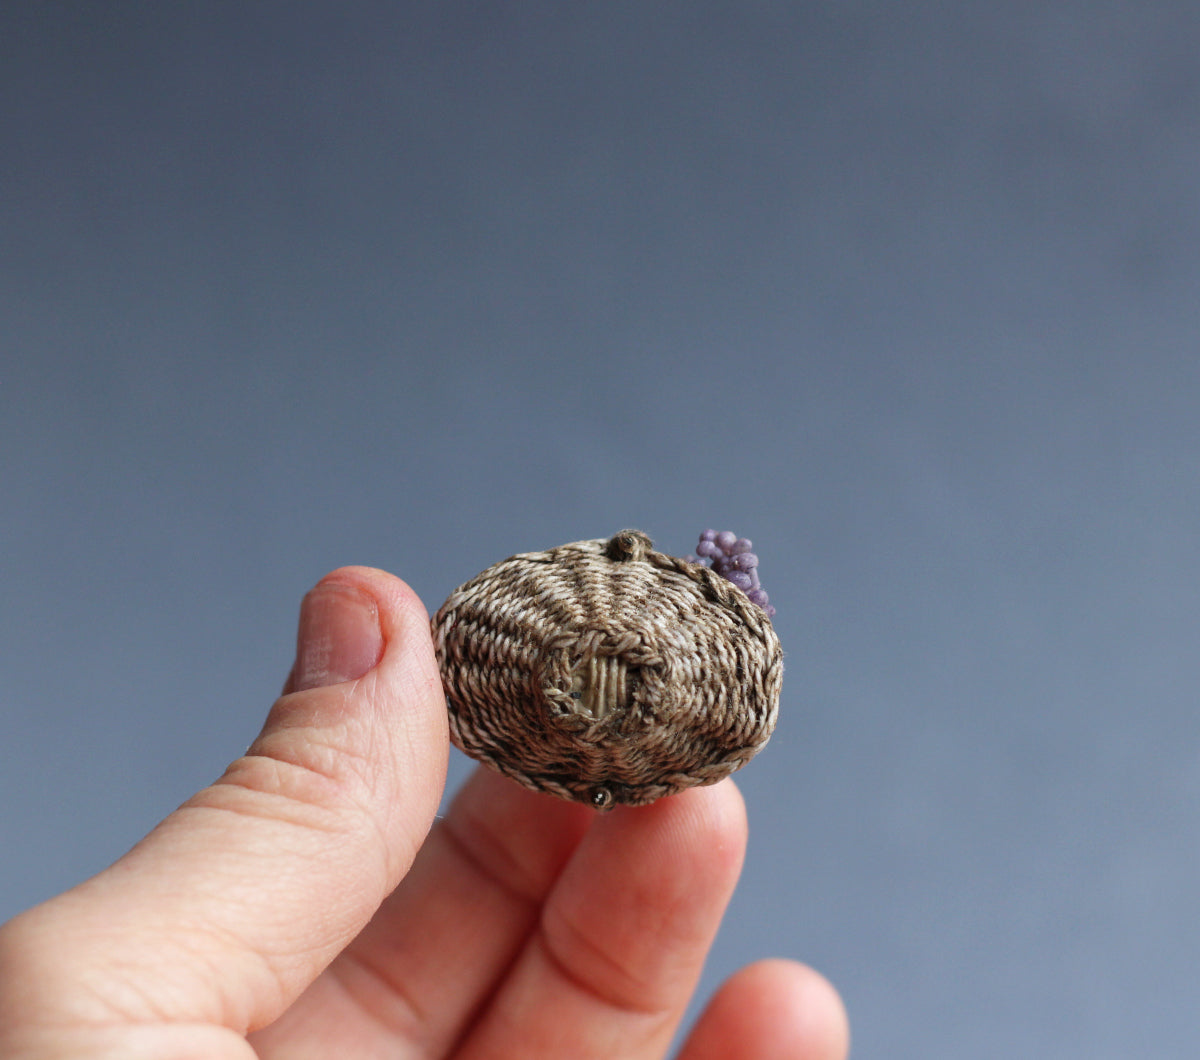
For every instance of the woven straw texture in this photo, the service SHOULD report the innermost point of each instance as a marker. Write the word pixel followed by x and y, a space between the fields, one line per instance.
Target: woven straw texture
pixel 605 672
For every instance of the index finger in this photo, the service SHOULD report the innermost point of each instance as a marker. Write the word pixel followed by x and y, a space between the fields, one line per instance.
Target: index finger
pixel 623 936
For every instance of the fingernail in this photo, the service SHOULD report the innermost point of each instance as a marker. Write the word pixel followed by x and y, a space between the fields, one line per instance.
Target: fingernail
pixel 339 637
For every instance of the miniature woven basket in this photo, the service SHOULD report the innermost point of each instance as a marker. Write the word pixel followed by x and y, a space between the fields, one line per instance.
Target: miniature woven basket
pixel 606 672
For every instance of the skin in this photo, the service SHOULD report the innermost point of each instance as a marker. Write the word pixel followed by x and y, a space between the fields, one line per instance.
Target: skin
pixel 308 904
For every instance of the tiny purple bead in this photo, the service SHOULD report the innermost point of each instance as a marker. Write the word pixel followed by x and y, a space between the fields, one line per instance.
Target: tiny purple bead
pixel 741 579
pixel 770 610
pixel 745 561
pixel 742 544
pixel 707 548
pixel 708 535
pixel 722 565
pixel 726 539
pixel 754 578
pixel 757 596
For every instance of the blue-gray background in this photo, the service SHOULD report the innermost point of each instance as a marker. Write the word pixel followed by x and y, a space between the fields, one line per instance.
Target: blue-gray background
pixel 907 292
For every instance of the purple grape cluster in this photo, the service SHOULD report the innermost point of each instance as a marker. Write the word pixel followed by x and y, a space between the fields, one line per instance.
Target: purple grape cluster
pixel 731 557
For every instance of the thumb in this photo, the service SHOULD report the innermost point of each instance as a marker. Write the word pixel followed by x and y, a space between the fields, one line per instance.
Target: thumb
pixel 231 906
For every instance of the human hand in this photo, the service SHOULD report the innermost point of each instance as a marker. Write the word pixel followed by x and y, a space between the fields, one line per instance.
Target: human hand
pixel 302 907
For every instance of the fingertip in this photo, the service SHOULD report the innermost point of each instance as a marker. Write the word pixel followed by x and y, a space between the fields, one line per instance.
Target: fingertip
pixel 774 1009
pixel 403 619
pixel 715 815
pixel 400 610
pixel 352 622
pixel 711 819
pixel 365 684
pixel 338 636
pixel 402 600
pixel 727 808
pixel 813 1005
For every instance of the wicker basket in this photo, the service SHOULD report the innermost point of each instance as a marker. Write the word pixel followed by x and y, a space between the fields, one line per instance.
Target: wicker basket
pixel 605 672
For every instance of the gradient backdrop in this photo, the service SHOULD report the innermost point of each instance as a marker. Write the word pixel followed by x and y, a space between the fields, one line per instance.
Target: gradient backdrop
pixel 909 293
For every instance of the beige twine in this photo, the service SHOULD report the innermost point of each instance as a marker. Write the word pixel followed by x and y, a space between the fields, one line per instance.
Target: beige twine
pixel 605 672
